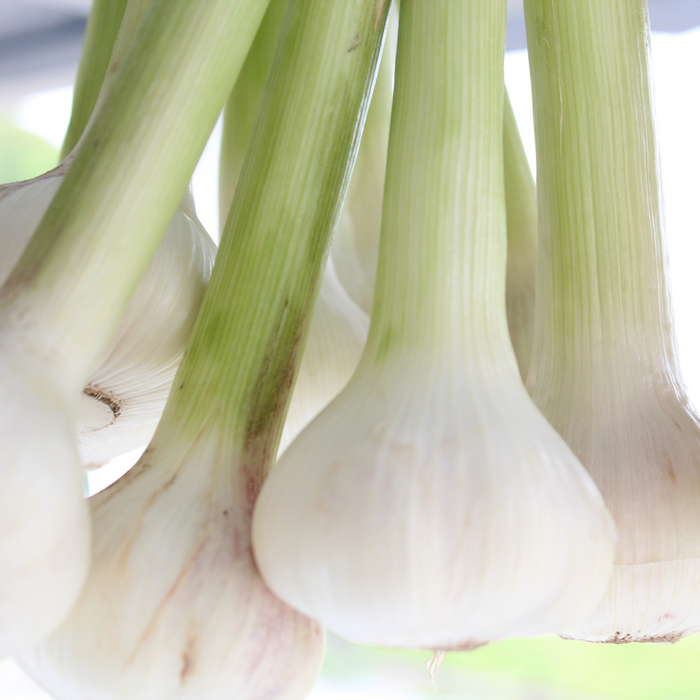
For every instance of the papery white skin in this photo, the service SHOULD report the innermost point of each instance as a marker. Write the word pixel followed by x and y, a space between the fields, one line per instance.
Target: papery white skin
pixel 426 507
pixel 174 607
pixel 44 525
pixel 642 448
pixel 336 339
pixel 128 390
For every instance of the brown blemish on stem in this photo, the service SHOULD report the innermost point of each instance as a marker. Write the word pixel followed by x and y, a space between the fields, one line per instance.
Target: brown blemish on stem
pixel 356 40
pixel 379 13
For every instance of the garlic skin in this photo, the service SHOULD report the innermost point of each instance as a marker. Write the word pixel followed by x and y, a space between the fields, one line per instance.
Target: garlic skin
pixel 426 508
pixel 604 368
pixel 642 448
pixel 125 395
pixel 45 542
pixel 336 339
pixel 173 606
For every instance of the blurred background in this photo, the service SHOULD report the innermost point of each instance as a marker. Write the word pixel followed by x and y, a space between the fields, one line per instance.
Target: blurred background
pixel 40 42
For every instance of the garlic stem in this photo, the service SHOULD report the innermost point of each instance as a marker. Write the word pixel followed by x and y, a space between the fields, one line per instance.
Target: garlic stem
pixel 244 102
pixel 338 328
pixel 100 34
pixel 269 309
pixel 430 505
pixel 604 367
pixel 521 216
pixel 173 606
pixel 356 244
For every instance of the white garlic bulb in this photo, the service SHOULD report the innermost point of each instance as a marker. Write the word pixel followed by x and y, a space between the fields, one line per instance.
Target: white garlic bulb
pixel 45 539
pixel 173 606
pixel 604 367
pixel 430 504
pixel 125 395
pixel 336 339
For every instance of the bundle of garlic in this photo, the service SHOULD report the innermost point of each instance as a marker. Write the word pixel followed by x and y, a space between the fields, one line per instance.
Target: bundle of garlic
pixel 604 368
pixel 124 397
pixel 430 504
pixel 174 606
pixel 61 304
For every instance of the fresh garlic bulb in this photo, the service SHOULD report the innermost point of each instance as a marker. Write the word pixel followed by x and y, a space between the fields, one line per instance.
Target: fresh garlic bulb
pixel 604 368
pixel 124 397
pixel 333 349
pixel 430 504
pixel 173 606
pixel 44 523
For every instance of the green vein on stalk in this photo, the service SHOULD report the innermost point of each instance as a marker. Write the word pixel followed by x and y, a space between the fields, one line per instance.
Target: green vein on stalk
pixel 103 226
pixel 242 106
pixel 100 35
pixel 251 330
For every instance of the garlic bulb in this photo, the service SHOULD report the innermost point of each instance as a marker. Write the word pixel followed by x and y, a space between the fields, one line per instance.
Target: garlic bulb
pixel 604 368
pixel 333 349
pixel 173 606
pixel 45 539
pixel 125 395
pixel 430 504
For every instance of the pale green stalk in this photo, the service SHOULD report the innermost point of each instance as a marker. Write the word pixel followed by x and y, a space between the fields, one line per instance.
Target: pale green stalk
pixel 356 248
pixel 119 195
pixel 251 330
pixel 441 272
pixel 242 105
pixel 100 35
pixel 521 216
pixel 602 289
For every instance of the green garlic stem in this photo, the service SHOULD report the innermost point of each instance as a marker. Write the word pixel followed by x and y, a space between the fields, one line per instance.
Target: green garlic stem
pixel 441 271
pixel 602 291
pixel 250 333
pixel 521 217
pixel 100 35
pixel 97 237
pixel 243 104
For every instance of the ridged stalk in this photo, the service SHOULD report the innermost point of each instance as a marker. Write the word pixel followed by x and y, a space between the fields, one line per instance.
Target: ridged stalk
pixel 100 34
pixel 521 216
pixel 244 102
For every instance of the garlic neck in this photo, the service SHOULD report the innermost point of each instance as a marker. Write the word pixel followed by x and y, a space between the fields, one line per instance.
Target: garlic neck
pixel 441 270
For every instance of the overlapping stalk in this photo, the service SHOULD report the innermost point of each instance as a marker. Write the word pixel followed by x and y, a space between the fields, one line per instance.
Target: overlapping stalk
pixel 339 327
pixel 100 34
pixel 521 217
pixel 430 504
pixel 604 368
pixel 174 606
